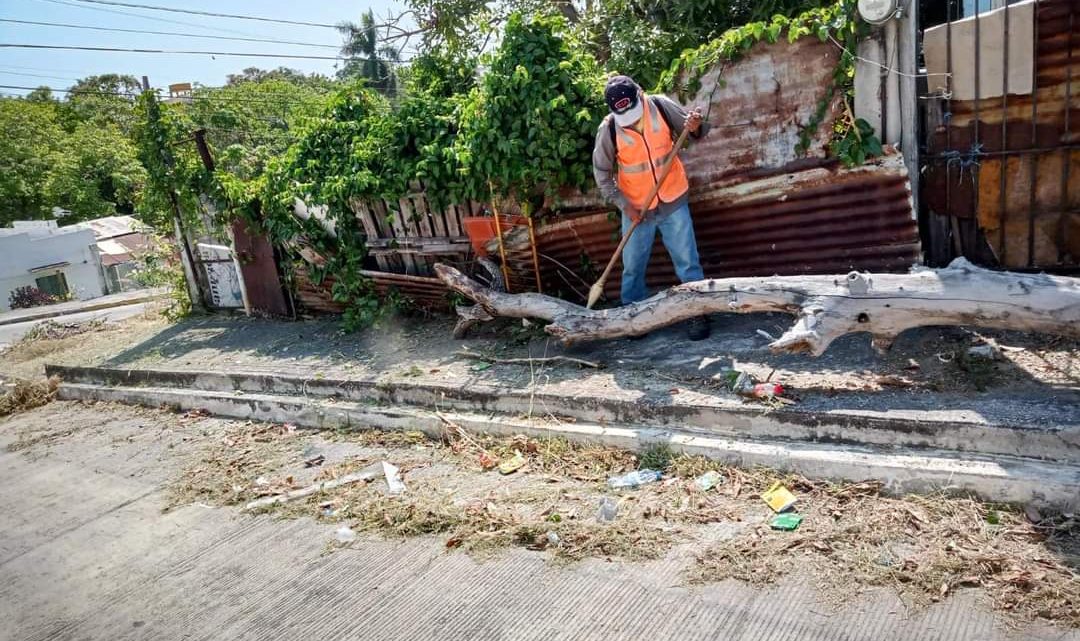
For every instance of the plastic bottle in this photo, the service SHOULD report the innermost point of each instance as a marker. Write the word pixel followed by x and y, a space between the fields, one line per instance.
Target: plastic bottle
pixel 634 479
pixel 767 390
pixel 608 510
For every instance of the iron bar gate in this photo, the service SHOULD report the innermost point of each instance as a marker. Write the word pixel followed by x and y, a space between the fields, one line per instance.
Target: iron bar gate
pixel 999 105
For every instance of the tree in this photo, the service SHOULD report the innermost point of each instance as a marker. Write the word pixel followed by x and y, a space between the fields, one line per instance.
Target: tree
pixel 285 74
pixel 41 94
pixel 94 173
pixel 365 57
pixel 104 99
pixel 32 133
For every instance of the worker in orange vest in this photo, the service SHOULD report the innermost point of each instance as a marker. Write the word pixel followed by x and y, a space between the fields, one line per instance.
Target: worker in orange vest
pixel 632 145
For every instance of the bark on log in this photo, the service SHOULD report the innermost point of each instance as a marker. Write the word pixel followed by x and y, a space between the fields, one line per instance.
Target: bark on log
pixel 826 307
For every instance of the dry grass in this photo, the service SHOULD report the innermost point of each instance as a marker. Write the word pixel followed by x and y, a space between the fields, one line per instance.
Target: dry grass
pixel 923 547
pixel 25 395
pixel 555 456
pixel 852 536
pixel 230 465
pixel 50 337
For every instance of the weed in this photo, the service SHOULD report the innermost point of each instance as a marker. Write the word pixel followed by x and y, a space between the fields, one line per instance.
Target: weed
pixel 656 457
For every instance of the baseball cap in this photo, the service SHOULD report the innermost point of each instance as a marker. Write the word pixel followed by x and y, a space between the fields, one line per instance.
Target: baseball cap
pixel 622 97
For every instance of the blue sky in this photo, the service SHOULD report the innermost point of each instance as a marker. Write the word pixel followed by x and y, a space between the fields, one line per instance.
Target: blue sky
pixel 28 67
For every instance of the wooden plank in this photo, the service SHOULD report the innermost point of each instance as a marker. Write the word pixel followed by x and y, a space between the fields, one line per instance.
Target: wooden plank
pixel 371 228
pixel 420 215
pixel 438 219
pixel 453 221
pixel 455 243
pixel 396 221
pixel 412 231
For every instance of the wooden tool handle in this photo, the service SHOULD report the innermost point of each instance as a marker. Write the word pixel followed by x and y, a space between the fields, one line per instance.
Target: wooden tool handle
pixel 648 200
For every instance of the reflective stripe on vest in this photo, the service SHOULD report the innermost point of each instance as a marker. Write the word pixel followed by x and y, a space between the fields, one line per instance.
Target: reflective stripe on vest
pixel 641 158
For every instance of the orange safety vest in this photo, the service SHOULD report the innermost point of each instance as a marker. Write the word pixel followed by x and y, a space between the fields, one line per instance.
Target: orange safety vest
pixel 641 158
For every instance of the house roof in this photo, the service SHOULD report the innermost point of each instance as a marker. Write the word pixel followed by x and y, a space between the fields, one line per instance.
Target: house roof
pixel 112 226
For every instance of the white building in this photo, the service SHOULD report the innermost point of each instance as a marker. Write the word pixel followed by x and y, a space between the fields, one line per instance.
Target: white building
pixel 62 261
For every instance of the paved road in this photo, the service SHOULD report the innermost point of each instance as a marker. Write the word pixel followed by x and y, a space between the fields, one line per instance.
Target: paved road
pixel 87 553
pixel 13 332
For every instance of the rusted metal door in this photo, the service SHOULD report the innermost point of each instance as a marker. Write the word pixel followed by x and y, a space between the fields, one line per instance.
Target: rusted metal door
pixel 257 263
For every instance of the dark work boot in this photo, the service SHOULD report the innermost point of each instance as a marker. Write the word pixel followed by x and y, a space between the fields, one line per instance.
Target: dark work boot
pixel 697 328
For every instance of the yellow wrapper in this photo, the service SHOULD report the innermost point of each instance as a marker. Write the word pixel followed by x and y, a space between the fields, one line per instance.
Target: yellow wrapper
pixel 779 498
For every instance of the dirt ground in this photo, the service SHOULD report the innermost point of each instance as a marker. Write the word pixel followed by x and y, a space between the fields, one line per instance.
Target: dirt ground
pixel 851 539
pixel 1034 382
pixel 89 343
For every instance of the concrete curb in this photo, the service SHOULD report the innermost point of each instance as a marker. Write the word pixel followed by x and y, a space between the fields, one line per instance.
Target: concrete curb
pixel 723 420
pixel 996 478
pixel 8 318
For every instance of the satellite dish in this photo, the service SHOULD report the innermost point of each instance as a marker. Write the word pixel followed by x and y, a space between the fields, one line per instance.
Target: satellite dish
pixel 878 12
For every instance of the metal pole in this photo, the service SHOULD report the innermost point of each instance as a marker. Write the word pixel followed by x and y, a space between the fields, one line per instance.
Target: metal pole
pixel 187 259
pixel 1004 203
pixel 1034 131
pixel 208 162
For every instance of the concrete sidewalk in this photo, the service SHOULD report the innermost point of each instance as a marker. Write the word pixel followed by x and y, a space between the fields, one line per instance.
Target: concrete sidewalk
pixel 79 306
pixel 86 553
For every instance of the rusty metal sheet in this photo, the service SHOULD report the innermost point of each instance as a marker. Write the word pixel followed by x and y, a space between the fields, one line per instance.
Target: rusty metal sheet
pixel 759 110
pixel 425 292
pixel 814 221
pixel 259 268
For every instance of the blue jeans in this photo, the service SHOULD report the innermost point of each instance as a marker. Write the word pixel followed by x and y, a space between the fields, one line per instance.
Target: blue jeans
pixel 677 232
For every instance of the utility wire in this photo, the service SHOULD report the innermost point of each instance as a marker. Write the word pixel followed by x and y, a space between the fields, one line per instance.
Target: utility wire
pixel 68 3
pixel 168 33
pixel 240 54
pixel 389 24
pixel 132 94
pixel 173 51
pixel 35 75
pixel 208 13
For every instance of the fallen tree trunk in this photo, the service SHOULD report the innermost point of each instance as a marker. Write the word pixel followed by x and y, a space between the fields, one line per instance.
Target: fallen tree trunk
pixel 826 307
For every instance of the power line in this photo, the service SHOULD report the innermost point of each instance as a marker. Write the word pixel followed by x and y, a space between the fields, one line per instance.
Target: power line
pixel 204 98
pixel 168 33
pixel 177 51
pixel 240 54
pixel 208 13
pixel 35 75
pixel 391 23
pixel 28 68
pixel 67 3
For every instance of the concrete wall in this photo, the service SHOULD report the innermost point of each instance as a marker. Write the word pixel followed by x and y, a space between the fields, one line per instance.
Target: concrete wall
pixel 28 246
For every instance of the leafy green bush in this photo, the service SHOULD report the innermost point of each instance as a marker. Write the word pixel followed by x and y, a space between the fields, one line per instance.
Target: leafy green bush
pixel 530 124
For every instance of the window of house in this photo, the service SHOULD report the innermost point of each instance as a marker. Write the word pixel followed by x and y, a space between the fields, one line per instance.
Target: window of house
pixel 53 284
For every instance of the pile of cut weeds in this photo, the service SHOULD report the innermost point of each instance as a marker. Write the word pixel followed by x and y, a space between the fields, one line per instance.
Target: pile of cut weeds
pixel 853 536
pixel 25 395
pixel 924 547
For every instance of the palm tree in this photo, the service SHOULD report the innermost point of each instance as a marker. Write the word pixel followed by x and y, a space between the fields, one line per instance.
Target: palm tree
pixel 365 58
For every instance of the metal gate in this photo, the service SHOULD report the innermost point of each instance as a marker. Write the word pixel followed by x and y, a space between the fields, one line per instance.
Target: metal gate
pixel 999 103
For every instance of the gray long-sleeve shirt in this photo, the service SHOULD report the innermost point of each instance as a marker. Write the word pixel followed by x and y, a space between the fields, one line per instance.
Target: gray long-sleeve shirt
pixel 604 157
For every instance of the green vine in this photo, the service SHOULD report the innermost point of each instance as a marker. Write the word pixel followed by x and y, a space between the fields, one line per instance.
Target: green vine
pixel 529 127
pixel 526 130
pixel 853 140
